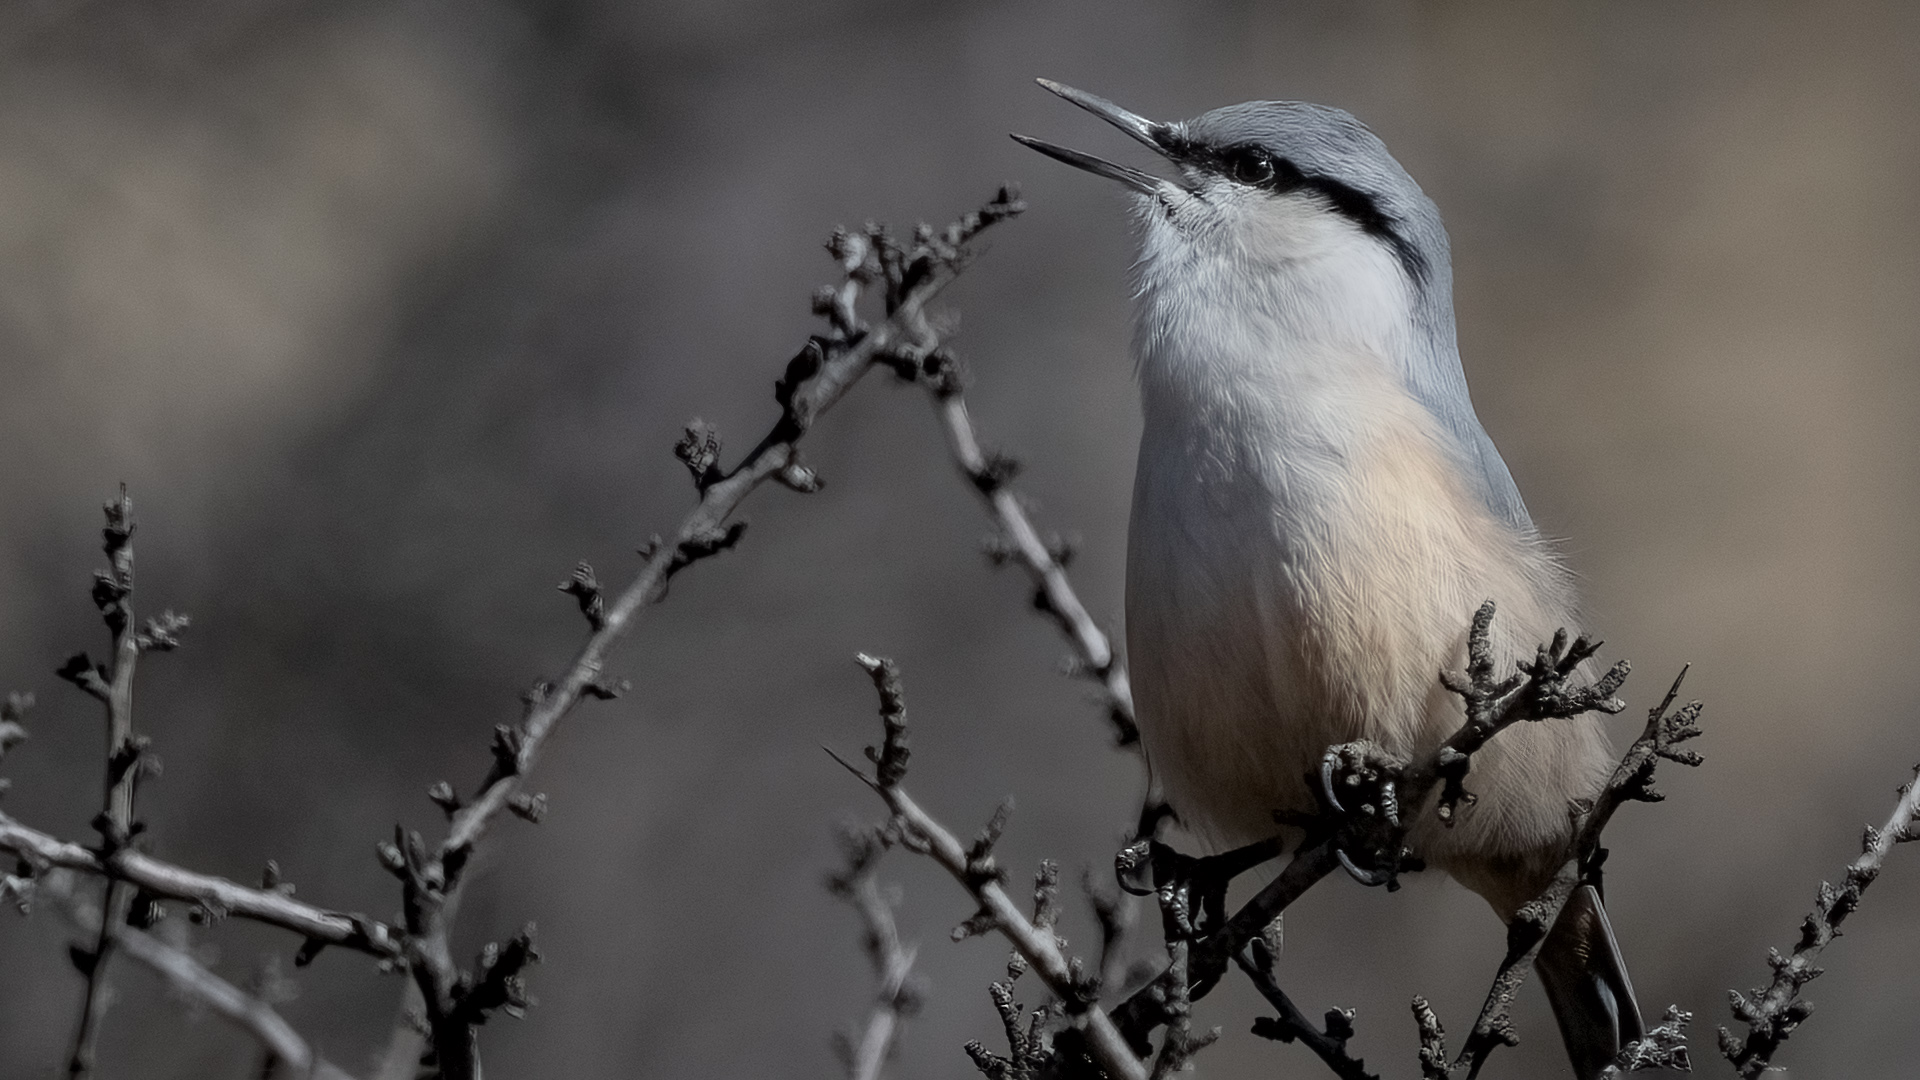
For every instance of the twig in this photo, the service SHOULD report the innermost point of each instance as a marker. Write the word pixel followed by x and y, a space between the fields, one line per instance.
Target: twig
pixel 249 1013
pixel 991 476
pixel 898 995
pixel 1030 1051
pixel 112 686
pixel 194 980
pixel 1433 1041
pixel 1663 1047
pixel 1771 1014
pixel 216 894
pixel 1543 689
pixel 1144 1010
pixel 907 278
pixel 815 379
pixel 1631 781
pixel 123 866
pixel 1115 914
pixel 974 868
pixel 1179 1045
pixel 1292 1025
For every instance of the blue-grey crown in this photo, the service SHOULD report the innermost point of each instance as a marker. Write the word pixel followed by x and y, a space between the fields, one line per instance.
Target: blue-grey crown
pixel 1293 145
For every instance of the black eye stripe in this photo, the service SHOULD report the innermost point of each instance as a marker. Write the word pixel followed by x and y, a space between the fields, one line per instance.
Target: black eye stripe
pixel 1254 166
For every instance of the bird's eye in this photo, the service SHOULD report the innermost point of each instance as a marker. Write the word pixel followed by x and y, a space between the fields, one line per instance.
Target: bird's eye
pixel 1250 166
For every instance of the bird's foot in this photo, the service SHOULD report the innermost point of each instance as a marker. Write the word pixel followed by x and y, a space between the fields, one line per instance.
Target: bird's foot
pixel 1360 790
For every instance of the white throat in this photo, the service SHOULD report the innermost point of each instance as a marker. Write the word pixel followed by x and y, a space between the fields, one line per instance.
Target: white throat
pixel 1258 293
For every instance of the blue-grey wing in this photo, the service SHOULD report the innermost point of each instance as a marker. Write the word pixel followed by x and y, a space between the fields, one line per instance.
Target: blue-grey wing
pixel 1497 488
pixel 1438 383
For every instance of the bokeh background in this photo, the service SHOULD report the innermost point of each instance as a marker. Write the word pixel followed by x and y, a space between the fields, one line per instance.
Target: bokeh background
pixel 389 312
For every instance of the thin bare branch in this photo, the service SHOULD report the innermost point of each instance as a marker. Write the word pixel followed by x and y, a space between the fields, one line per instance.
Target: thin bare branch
pixel 1631 781
pixel 1045 562
pixel 1542 689
pixel 1772 1013
pixel 817 379
pixel 215 894
pixel 909 277
pixel 974 868
pixel 1292 1025
pixel 1179 1045
pixel 898 994
pixel 113 687
pixel 293 1058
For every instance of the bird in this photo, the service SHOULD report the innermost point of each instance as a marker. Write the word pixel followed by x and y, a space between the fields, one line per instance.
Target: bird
pixel 1318 513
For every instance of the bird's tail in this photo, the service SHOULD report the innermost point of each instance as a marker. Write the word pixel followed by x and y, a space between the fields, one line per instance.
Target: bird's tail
pixel 1586 981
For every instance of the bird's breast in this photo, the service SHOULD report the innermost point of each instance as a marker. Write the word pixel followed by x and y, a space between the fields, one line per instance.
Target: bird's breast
pixel 1304 557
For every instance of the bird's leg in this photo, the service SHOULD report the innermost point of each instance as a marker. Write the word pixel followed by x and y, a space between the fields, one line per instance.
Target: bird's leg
pixel 1205 878
pixel 1193 888
pixel 1366 821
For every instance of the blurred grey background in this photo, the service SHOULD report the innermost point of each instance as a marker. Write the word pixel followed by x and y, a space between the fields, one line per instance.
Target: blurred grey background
pixel 388 313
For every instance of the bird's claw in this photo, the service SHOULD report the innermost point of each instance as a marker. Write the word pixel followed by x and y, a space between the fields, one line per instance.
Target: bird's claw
pixel 1326 781
pixel 1369 878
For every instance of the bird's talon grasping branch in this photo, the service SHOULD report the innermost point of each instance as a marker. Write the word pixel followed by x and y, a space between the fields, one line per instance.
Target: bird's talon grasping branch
pixel 1326 781
pixel 1369 878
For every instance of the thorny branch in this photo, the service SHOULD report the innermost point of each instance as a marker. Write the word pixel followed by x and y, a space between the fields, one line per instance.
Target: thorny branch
pixel 1772 1013
pixel 907 278
pixel 899 993
pixel 973 866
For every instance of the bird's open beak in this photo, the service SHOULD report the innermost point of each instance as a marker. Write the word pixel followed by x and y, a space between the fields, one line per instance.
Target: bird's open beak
pixel 1153 134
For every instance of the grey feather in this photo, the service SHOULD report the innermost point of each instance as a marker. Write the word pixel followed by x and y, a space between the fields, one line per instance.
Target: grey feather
pixel 1586 982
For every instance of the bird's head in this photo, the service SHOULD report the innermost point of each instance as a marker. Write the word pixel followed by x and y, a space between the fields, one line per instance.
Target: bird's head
pixel 1270 180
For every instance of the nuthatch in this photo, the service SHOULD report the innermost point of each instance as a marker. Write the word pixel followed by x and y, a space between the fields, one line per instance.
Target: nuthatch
pixel 1317 513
